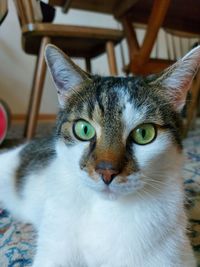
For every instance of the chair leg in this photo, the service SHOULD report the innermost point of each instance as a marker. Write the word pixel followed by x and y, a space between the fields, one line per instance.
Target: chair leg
pixel 36 92
pixel 111 57
pixel 88 65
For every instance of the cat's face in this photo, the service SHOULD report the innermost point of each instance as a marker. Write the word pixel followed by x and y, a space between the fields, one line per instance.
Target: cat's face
pixel 123 133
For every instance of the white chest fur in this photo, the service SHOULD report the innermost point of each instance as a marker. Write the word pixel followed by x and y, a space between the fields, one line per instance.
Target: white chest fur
pixel 135 231
pixel 128 233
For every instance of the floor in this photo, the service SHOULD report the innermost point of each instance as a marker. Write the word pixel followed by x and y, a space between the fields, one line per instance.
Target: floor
pixel 15 133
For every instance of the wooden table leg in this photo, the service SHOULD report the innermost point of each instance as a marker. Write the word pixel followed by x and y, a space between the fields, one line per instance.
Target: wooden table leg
pixel 66 6
pixel 36 93
pixel 156 19
pixel 131 37
pixel 110 49
pixel 88 64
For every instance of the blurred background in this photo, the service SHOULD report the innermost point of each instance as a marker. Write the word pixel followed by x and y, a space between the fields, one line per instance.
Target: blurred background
pixel 17 68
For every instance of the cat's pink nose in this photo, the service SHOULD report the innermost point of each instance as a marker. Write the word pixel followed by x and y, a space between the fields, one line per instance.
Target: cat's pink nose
pixel 107 171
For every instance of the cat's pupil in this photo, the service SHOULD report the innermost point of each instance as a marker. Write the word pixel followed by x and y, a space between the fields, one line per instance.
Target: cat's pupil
pixel 85 130
pixel 143 133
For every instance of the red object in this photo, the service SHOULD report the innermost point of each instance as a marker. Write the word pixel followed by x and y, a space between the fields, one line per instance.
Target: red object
pixel 4 120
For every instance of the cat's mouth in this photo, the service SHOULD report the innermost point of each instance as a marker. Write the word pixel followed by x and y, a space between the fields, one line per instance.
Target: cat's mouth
pixel 119 186
pixel 116 190
pixel 130 184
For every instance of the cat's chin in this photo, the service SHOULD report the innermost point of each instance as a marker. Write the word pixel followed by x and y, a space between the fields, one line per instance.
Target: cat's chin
pixel 116 192
pixel 109 194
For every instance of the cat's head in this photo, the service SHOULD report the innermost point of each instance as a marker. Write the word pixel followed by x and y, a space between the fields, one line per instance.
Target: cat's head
pixel 123 134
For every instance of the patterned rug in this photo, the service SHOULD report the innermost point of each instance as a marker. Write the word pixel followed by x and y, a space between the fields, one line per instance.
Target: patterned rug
pixel 191 174
pixel 17 241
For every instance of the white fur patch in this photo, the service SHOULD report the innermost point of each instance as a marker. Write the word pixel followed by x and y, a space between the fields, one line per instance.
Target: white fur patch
pixel 145 154
pixel 131 117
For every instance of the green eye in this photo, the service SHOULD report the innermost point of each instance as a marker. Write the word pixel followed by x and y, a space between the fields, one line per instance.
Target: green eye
pixel 144 134
pixel 83 130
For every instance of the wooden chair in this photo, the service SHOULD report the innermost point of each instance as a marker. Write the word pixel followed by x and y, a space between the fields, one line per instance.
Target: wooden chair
pixel 76 41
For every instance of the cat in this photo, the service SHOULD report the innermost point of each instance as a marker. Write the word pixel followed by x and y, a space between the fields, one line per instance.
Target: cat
pixel 105 189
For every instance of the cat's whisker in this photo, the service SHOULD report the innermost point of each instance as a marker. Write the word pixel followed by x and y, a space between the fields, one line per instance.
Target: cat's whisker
pixel 154 187
pixel 148 178
pixel 155 178
pixel 139 194
pixel 146 192
pixel 156 182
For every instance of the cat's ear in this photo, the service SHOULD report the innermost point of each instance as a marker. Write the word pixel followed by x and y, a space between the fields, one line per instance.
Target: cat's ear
pixel 177 79
pixel 66 74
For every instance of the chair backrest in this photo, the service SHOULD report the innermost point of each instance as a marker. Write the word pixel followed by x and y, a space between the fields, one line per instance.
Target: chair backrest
pixel 179 43
pixel 29 11
pixel 170 44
